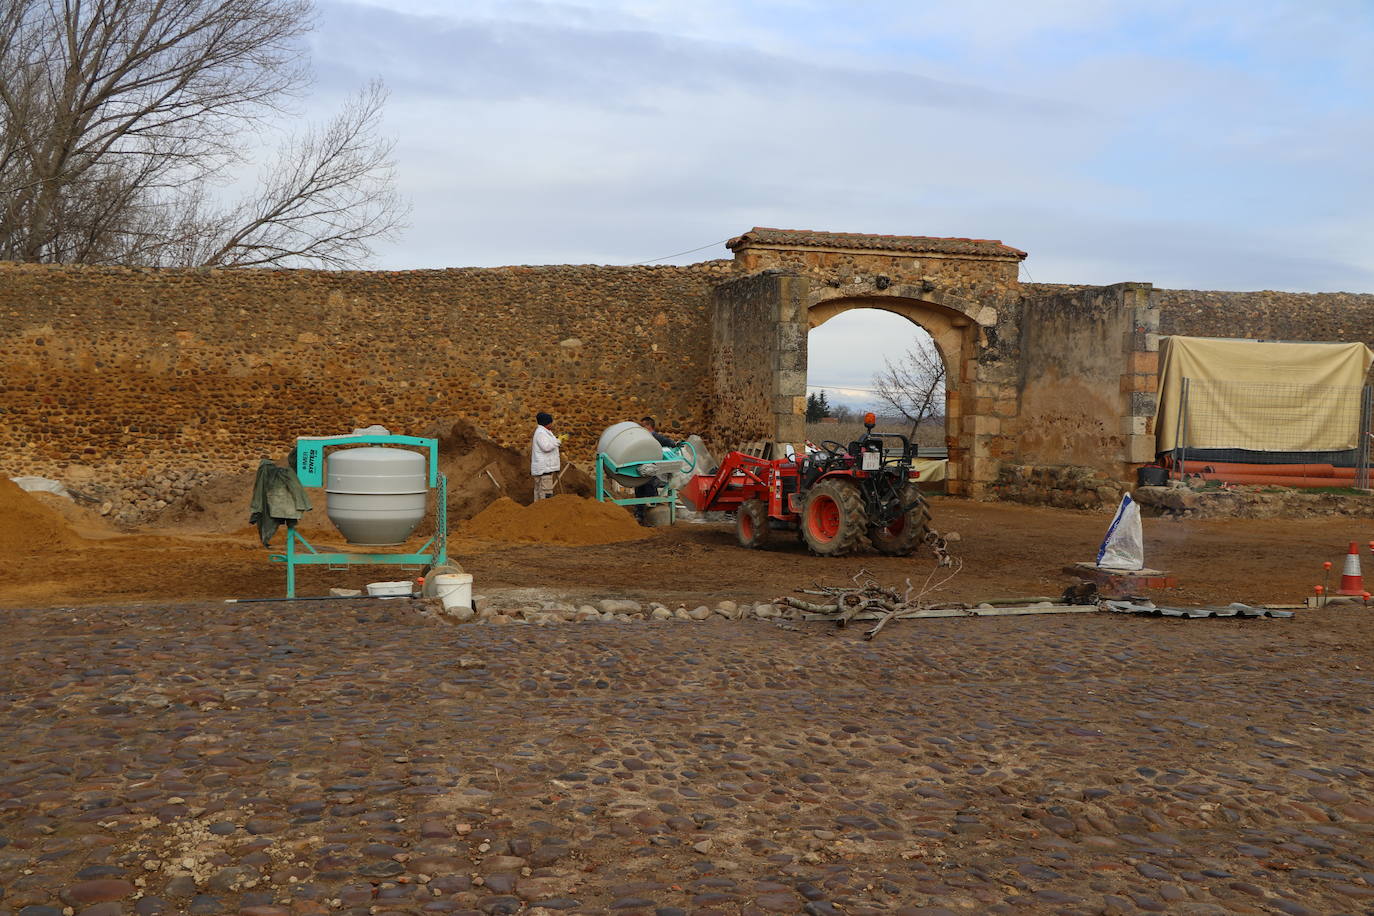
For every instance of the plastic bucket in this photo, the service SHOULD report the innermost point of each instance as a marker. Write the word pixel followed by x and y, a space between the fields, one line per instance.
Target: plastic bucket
pixel 1151 476
pixel 454 590
pixel 390 589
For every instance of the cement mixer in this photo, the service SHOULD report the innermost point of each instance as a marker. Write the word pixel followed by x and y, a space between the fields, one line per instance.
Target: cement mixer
pixel 629 455
pixel 377 486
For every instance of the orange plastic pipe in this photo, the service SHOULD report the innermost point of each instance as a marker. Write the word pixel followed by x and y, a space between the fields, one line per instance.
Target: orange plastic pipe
pixel 1283 470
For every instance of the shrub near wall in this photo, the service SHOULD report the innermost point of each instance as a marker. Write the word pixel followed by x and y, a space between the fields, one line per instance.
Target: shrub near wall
pixel 123 371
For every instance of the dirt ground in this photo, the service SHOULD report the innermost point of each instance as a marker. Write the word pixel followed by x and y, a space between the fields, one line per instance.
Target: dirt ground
pixel 1006 550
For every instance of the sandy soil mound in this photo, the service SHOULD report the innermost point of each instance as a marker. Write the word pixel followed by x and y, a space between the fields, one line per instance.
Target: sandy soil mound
pixel 217 507
pixel 81 518
pixel 467 455
pixel 564 520
pixel 27 526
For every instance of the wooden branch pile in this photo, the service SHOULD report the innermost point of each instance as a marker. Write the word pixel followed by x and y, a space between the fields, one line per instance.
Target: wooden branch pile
pixel 868 600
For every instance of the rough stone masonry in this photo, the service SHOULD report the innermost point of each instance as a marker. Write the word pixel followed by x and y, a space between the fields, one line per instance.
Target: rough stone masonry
pixel 116 374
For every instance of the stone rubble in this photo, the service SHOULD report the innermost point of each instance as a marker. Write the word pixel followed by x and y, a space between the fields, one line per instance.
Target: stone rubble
pixel 135 502
pixel 488 610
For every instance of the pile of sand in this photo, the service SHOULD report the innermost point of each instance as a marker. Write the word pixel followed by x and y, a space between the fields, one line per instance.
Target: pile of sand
pixel 469 458
pixel 564 520
pixel 28 527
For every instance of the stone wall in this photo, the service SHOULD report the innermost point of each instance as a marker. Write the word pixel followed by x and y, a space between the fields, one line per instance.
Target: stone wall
pixel 1063 486
pixel 137 370
pixel 140 373
pixel 1071 354
pixel 751 346
pixel 1087 365
pixel 1267 315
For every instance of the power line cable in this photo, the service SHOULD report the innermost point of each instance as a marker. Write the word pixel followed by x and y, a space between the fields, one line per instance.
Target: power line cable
pixel 679 254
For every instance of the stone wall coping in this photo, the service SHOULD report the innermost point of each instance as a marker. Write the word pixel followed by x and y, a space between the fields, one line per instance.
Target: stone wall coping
pixel 846 242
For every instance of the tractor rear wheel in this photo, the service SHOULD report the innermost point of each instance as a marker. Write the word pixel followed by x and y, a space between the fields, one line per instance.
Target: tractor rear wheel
pixel 751 523
pixel 905 532
pixel 832 521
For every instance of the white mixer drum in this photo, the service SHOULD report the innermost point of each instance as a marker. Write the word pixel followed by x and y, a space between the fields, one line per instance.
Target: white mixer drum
pixel 376 496
pixel 629 443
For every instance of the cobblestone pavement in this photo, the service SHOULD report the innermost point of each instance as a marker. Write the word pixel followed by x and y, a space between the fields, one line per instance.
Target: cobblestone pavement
pixel 327 757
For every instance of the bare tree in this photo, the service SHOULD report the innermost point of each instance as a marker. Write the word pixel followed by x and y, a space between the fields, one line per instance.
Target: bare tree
pixel 914 386
pixel 119 114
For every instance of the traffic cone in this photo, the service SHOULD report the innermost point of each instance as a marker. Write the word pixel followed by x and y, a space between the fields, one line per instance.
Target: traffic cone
pixel 1352 583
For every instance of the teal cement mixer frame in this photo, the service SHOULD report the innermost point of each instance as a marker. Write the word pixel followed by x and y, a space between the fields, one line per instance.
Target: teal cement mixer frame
pixel 605 467
pixel 310 469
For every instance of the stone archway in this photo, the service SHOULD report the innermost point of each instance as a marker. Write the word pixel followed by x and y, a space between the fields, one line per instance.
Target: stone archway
pixel 951 332
pixel 953 324
pixel 954 288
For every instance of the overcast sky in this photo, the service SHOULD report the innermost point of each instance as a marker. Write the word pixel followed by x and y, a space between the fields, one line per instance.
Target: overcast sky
pixel 1223 144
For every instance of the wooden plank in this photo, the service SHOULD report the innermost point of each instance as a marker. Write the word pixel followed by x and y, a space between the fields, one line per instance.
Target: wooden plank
pixel 971 612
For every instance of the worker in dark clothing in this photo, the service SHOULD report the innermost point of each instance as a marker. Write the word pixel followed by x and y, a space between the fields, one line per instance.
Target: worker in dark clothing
pixel 650 487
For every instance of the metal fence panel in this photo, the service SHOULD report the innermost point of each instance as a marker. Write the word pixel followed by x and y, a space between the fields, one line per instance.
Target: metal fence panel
pixel 1273 434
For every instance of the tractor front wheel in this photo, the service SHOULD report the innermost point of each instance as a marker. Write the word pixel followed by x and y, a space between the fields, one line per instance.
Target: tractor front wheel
pixel 907 530
pixel 751 523
pixel 832 521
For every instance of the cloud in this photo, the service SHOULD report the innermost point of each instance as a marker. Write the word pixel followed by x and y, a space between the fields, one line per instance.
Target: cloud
pixel 1217 147
pixel 503 60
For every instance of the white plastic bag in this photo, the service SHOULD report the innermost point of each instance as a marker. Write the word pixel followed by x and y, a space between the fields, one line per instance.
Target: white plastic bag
pixel 1124 545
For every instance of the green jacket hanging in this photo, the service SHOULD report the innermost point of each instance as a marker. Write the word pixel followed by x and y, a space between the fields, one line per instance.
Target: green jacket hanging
pixel 278 499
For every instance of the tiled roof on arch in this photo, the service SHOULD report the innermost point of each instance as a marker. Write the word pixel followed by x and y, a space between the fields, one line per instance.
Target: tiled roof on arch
pixel 806 238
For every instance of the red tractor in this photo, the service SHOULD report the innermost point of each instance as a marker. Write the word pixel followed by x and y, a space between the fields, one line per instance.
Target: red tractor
pixel 834 497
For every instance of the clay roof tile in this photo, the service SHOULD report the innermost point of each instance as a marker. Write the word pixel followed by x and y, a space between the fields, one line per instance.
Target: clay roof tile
pixel 806 238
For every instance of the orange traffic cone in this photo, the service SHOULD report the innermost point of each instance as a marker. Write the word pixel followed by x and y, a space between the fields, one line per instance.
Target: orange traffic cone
pixel 1352 583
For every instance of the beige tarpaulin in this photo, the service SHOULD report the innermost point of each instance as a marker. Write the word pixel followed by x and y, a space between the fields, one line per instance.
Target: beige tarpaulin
pixel 932 469
pixel 1279 397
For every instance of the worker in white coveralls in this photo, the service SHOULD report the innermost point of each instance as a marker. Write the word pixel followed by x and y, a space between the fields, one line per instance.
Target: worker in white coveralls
pixel 544 460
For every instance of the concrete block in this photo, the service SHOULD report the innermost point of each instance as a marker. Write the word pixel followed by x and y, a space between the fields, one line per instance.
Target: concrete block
pixel 791 345
pixel 1143 362
pixel 988 390
pixel 792 295
pixel 789 404
pixel 790 382
pixel 1144 316
pixel 1006 408
pixel 788 360
pixel 984 425
pixel 985 470
pixel 1140 449
pixel 1143 382
pixel 1135 426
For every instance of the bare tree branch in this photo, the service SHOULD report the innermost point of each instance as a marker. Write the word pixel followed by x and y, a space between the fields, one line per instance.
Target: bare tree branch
pixel 914 386
pixel 111 109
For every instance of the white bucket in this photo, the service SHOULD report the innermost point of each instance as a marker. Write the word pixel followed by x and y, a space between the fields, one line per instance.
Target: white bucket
pixel 390 589
pixel 454 590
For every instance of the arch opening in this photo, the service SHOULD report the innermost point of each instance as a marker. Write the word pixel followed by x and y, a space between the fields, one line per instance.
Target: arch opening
pixel 913 349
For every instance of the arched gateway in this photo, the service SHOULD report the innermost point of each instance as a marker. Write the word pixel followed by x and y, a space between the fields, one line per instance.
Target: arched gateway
pixel 797 281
